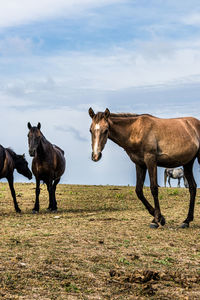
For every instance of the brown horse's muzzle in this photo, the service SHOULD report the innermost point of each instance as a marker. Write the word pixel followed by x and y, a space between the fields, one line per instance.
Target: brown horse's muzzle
pixel 96 157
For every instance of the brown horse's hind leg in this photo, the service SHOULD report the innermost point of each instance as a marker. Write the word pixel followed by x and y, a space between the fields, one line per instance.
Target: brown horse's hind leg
pixel 10 182
pixel 152 169
pixel 141 173
pixel 192 189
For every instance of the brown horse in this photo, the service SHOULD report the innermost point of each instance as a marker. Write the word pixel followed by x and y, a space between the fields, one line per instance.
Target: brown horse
pixel 9 161
pixel 48 164
pixel 150 142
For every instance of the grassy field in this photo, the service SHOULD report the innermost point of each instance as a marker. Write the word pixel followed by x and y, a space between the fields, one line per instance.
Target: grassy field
pixel 97 246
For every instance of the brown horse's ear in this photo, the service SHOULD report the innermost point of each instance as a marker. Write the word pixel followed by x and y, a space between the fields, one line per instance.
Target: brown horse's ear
pixel 38 125
pixel 106 114
pixel 29 125
pixel 91 112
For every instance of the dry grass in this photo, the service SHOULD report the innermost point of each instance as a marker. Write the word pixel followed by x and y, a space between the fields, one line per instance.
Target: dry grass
pixel 97 246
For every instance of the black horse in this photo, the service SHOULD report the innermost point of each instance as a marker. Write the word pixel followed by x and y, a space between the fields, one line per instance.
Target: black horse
pixel 9 161
pixel 48 164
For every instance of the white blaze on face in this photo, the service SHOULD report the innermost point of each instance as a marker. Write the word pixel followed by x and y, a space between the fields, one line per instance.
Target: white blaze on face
pixel 96 139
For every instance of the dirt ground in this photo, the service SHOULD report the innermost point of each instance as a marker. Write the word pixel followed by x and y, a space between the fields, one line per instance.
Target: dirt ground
pixel 98 245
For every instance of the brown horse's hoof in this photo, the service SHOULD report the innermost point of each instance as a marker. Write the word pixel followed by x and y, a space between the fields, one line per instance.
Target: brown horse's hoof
pixel 184 225
pixel 18 210
pixel 154 225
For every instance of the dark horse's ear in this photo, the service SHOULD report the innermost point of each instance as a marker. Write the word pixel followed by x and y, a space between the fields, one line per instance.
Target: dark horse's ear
pixel 91 112
pixel 38 125
pixel 106 114
pixel 29 125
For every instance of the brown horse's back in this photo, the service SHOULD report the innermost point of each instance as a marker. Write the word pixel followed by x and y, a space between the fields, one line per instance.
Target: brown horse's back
pixel 175 141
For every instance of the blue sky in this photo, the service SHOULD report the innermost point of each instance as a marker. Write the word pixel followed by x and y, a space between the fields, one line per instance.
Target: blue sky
pixel 58 58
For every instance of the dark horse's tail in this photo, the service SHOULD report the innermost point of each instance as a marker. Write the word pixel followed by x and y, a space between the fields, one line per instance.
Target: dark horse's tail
pixel 2 157
pixel 165 177
pixel 198 156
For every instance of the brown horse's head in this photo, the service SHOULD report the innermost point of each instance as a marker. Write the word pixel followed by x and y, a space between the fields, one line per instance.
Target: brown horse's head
pixel 34 137
pixel 99 130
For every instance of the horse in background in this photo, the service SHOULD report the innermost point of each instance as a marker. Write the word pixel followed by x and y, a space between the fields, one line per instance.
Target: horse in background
pixel 9 161
pixel 48 164
pixel 175 174
pixel 150 142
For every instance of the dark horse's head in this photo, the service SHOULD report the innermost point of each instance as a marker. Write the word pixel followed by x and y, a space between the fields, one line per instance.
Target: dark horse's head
pixel 34 137
pixel 99 130
pixel 21 166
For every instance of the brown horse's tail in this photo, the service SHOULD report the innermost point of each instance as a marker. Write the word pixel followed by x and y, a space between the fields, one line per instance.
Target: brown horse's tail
pixel 2 157
pixel 165 177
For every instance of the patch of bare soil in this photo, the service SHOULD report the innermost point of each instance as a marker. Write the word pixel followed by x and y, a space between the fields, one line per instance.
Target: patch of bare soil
pixel 98 245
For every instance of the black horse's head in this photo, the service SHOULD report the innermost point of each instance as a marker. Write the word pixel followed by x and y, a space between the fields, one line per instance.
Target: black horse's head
pixel 34 137
pixel 21 166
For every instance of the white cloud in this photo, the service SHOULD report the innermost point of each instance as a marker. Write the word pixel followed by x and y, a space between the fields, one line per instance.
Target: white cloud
pixel 113 70
pixel 16 45
pixel 16 12
pixel 192 19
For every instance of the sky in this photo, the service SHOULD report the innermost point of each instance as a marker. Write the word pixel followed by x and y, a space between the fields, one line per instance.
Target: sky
pixel 58 58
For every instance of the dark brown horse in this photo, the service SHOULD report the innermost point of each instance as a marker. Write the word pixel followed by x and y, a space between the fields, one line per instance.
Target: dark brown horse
pixel 151 142
pixel 9 161
pixel 48 164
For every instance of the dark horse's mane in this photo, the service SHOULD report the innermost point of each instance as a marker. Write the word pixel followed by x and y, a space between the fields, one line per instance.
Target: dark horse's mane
pixel 11 152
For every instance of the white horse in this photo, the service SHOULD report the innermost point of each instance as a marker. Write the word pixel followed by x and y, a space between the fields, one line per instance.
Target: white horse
pixel 175 174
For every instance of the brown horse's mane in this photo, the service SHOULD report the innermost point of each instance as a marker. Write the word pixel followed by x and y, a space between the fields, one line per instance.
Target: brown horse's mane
pixel 127 115
pixel 120 117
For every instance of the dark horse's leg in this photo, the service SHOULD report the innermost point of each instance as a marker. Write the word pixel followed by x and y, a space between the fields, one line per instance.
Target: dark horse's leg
pixel 51 189
pixel 192 189
pixel 10 181
pixel 179 181
pixel 54 193
pixel 152 169
pixel 141 173
pixel 37 193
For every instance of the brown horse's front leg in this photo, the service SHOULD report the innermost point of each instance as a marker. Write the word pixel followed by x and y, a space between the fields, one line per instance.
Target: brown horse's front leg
pixel 152 169
pixel 141 173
